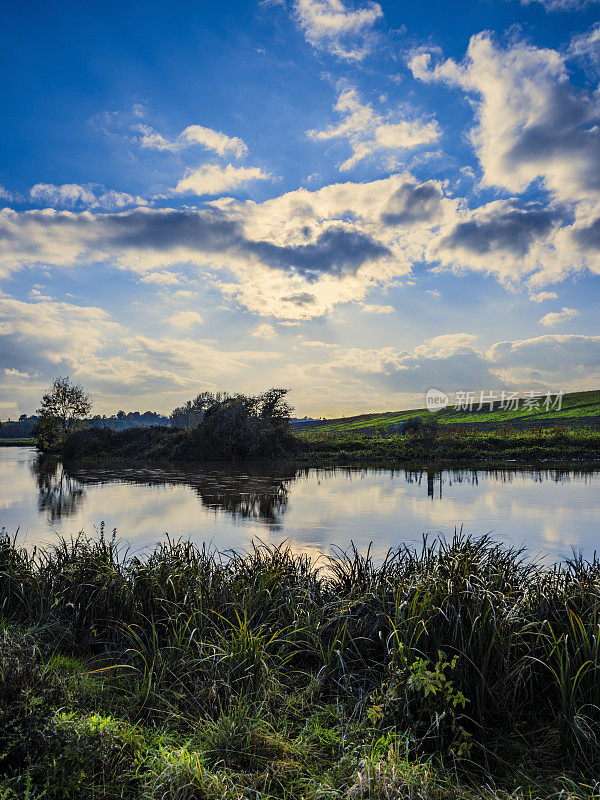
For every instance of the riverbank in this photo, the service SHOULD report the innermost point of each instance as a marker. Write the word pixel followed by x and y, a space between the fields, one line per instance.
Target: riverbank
pixel 451 448
pixel 457 671
pixel 17 442
pixel 446 448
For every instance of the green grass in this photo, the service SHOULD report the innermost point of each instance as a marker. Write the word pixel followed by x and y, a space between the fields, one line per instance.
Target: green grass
pixel 16 442
pixel 459 670
pixel 580 406
pixel 453 447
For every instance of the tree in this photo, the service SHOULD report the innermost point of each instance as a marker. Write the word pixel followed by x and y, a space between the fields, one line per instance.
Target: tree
pixel 63 409
pixel 192 412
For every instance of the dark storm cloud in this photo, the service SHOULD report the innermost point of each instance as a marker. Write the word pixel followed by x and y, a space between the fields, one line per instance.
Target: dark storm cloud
pixel 513 230
pixel 589 237
pixel 568 129
pixel 300 299
pixel 412 203
pixel 336 251
pixel 210 231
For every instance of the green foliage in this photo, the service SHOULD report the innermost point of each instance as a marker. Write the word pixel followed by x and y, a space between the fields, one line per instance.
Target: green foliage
pixel 180 774
pixel 97 756
pixel 421 698
pixel 63 409
pixel 212 427
pixel 576 407
pixel 190 674
pixel 450 446
pixel 48 433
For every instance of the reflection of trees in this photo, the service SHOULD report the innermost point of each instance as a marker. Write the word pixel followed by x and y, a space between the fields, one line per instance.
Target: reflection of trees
pixel 59 494
pixel 436 479
pixel 266 502
pixel 250 494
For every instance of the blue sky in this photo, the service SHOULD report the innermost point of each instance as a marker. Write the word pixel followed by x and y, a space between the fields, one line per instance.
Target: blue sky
pixel 356 200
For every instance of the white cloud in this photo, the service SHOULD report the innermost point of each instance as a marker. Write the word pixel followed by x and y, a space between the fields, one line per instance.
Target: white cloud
pixel 554 318
pixel 368 308
pixel 164 278
pixel 531 121
pixel 185 319
pixel 111 200
pixel 540 297
pixel 43 339
pixel 53 332
pixel 188 356
pixel 337 28
pixel 15 373
pixel 515 241
pixel 448 362
pixel 369 133
pixel 555 361
pixel 192 135
pixel 215 179
pixel 264 331
pixel 561 5
pixel 5 194
pixel 451 363
pixel 214 140
pixel 586 47
pixel 446 344
pixel 296 256
pixel 71 195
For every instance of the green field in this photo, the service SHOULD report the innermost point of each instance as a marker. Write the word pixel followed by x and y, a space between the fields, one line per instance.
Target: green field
pixel 578 408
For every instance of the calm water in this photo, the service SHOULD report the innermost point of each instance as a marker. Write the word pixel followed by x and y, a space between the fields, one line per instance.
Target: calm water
pixel 314 510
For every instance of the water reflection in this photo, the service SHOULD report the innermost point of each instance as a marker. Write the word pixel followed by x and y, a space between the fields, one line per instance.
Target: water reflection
pixel 59 494
pixel 254 495
pixel 251 495
pixel 248 495
pixel 550 511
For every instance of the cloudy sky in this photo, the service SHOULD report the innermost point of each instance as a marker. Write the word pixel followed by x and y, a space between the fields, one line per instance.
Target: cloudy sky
pixel 356 200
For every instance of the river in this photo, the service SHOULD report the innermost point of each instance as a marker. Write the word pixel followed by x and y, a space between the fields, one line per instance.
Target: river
pixel 550 512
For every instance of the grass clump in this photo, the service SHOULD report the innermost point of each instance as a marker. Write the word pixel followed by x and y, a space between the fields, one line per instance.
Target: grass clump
pixel 457 670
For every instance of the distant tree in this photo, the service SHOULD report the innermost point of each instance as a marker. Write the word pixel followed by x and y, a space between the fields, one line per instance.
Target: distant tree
pixel 192 412
pixel 63 409
pixel 273 406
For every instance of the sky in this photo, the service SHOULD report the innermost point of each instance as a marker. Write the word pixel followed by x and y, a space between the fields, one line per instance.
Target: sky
pixel 355 200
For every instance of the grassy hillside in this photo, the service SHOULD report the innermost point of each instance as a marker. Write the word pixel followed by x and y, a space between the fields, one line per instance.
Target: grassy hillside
pixel 578 408
pixel 454 446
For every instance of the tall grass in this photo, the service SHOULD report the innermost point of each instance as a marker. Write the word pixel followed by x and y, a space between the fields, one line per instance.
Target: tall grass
pixel 262 669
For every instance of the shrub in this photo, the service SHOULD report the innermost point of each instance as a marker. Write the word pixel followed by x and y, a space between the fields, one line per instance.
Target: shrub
pixel 19 669
pixel 239 426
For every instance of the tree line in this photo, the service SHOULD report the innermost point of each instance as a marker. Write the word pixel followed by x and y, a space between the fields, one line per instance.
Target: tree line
pixel 234 424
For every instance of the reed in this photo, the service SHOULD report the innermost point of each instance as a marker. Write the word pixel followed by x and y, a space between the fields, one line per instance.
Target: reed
pixel 458 669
